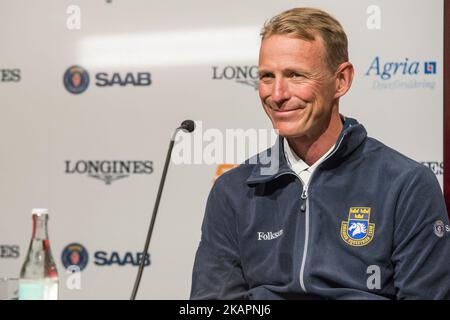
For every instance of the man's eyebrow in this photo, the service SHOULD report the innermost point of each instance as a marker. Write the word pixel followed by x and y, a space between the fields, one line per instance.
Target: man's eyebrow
pixel 287 70
pixel 263 71
pixel 298 70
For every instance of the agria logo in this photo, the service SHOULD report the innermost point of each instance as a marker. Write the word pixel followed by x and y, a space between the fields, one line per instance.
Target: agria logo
pixel 388 69
pixel 76 79
pixel 402 74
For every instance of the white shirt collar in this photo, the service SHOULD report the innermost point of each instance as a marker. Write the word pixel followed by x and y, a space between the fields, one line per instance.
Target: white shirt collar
pixel 296 163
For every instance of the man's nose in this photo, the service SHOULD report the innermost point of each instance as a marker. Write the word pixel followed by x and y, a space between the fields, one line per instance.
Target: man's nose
pixel 280 91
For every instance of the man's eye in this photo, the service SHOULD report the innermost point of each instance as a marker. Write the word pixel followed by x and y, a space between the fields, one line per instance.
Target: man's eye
pixel 264 76
pixel 296 75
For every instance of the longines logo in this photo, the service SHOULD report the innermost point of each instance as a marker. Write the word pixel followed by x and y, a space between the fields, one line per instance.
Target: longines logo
pixel 247 75
pixel 109 170
pixel 9 251
pixel 435 166
pixel 76 79
pixel 9 75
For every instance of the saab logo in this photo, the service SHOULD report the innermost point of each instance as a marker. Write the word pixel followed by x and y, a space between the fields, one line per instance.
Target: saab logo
pixel 357 230
pixel 139 79
pixel 102 258
pixel 76 79
pixel 75 254
pixel 76 257
pixel 430 67
pixel 109 170
pixel 247 75
pixel 269 235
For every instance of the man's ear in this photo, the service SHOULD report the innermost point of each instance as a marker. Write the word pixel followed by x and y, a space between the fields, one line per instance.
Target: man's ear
pixel 344 78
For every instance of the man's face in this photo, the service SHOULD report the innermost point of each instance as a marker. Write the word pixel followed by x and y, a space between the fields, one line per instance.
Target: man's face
pixel 296 87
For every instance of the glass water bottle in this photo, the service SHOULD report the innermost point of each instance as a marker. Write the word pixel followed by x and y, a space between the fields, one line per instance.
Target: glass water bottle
pixel 38 276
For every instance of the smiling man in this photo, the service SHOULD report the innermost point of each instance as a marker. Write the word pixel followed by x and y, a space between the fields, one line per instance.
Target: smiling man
pixel 343 216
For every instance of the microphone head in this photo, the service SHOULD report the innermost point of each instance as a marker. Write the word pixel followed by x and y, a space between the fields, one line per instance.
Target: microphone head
pixel 188 125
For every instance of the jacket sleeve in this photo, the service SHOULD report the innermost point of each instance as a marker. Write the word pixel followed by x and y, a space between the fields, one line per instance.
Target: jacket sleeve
pixel 421 253
pixel 217 272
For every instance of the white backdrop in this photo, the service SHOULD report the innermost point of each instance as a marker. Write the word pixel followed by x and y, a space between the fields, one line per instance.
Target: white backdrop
pixel 191 49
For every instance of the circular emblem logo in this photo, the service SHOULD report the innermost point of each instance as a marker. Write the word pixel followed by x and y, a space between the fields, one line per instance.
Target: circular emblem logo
pixel 76 79
pixel 439 228
pixel 75 254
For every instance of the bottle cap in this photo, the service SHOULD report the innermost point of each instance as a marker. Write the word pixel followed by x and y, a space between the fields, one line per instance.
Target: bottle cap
pixel 39 211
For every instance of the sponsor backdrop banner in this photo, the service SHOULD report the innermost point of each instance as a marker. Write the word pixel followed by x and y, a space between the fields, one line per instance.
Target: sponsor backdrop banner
pixel 91 92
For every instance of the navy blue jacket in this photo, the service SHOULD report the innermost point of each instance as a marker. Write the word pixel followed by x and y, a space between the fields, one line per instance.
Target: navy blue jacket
pixel 372 224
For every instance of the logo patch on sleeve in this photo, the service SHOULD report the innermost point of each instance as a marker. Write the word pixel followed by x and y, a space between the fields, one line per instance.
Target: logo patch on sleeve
pixel 357 231
pixel 439 228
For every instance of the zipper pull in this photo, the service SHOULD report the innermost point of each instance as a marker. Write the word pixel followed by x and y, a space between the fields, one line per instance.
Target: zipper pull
pixel 305 193
pixel 304 196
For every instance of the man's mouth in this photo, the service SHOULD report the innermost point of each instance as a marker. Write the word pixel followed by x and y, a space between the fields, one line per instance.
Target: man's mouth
pixel 287 114
pixel 286 110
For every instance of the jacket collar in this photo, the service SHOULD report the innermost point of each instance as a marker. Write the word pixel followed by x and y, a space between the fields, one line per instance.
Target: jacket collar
pixel 268 168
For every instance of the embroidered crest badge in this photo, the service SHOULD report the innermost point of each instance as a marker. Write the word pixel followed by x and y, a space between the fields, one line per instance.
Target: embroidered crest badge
pixel 357 231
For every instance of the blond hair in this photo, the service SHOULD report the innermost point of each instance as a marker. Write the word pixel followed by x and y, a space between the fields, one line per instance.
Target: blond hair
pixel 306 23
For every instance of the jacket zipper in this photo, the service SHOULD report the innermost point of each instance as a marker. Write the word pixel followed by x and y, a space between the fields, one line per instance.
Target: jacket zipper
pixel 305 208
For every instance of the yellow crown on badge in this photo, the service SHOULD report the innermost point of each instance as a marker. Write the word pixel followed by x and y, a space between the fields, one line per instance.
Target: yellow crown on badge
pixel 359 210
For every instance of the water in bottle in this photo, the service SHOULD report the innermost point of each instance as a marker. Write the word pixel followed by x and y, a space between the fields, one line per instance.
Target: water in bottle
pixel 38 276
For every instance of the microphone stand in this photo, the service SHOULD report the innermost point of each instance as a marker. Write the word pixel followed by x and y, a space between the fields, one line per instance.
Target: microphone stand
pixel 155 210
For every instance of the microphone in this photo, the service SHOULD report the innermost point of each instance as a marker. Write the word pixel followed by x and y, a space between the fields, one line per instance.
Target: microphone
pixel 186 126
